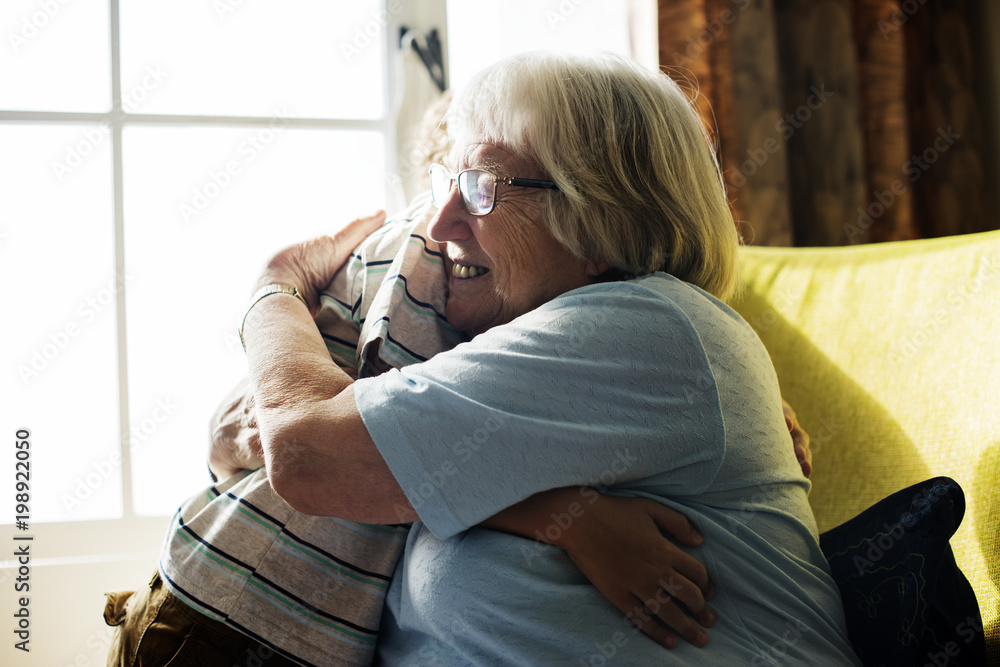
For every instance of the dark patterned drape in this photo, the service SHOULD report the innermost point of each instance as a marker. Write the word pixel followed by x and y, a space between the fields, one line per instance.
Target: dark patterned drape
pixel 841 121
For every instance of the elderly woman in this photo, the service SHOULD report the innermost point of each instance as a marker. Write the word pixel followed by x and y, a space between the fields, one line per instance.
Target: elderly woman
pixel 589 243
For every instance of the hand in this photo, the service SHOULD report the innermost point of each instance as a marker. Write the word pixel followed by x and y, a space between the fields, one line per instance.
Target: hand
pixel 618 545
pixel 234 438
pixel 311 265
pixel 800 440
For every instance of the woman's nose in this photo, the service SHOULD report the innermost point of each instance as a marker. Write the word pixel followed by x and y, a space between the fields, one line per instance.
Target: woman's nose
pixel 451 222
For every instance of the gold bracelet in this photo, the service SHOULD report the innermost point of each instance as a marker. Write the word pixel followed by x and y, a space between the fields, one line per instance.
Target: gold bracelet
pixel 264 291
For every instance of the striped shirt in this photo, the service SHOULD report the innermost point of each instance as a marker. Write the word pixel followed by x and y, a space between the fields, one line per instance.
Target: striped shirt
pixel 312 588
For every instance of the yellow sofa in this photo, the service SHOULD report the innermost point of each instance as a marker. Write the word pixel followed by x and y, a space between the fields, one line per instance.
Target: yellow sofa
pixel 890 354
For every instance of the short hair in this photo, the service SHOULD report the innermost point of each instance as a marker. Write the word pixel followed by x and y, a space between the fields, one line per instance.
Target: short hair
pixel 639 184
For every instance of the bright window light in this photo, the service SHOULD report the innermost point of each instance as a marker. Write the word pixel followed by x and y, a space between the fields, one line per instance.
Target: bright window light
pixel 205 207
pixel 279 135
pixel 241 58
pixel 57 261
pixel 514 26
pixel 56 56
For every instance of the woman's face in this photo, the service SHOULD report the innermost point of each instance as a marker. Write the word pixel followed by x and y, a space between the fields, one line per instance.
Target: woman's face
pixel 518 264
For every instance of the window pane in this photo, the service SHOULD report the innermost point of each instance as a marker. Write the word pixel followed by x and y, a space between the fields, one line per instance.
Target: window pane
pixel 204 209
pixel 528 25
pixel 241 58
pixel 57 56
pixel 57 246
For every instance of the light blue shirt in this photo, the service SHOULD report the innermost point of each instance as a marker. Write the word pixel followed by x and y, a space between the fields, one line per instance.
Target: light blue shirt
pixel 647 388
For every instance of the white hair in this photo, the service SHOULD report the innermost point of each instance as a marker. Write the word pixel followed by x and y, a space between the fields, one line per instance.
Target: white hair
pixel 639 185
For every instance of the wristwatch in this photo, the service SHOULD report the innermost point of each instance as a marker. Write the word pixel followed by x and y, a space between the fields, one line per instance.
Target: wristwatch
pixel 268 290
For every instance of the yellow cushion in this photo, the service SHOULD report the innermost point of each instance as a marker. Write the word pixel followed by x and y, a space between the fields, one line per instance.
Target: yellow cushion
pixel 890 355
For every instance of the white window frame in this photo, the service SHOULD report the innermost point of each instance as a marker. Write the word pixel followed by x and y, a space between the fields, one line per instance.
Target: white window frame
pixel 135 536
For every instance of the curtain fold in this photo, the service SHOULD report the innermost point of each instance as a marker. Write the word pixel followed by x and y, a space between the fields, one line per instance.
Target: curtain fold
pixel 840 121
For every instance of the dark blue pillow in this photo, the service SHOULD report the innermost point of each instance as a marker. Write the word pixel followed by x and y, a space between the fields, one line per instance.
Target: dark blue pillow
pixel 905 599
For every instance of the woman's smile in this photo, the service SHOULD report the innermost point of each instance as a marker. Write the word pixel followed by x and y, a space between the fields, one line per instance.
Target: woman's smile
pixel 467 271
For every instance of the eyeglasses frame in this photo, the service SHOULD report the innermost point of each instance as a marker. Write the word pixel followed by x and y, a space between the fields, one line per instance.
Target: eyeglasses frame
pixel 512 181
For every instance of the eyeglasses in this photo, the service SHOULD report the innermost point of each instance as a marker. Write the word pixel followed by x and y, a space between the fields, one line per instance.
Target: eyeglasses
pixel 477 187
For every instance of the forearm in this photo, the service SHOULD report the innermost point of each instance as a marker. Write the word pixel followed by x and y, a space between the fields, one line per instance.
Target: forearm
pixel 618 545
pixel 319 456
pixel 291 373
pixel 547 516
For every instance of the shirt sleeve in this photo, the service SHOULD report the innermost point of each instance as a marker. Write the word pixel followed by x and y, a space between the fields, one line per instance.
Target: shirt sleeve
pixel 345 302
pixel 606 386
pixel 338 317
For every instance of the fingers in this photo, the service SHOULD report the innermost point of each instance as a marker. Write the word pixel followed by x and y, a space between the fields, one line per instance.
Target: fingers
pixel 800 439
pixel 674 524
pixel 803 454
pixel 311 265
pixel 680 603
pixel 691 569
pixel 664 617
pixel 680 528
pixel 644 571
pixel 357 230
pixel 691 584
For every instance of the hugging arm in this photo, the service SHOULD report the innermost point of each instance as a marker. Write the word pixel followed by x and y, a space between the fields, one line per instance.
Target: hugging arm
pixel 306 410
pixel 617 543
